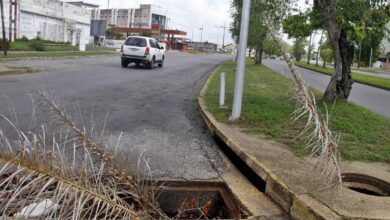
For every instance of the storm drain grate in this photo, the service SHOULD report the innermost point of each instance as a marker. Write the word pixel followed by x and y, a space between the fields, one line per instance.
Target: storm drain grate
pixel 199 200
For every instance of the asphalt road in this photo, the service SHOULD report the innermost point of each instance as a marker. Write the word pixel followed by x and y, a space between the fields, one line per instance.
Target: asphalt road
pixel 374 99
pixel 155 109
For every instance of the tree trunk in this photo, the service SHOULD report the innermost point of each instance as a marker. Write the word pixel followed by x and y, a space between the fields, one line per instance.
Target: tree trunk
pixel 341 82
pixel 259 56
pixel 250 53
pixel 324 64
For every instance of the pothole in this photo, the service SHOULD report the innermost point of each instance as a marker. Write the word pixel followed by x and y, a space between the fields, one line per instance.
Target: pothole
pixel 199 200
pixel 365 184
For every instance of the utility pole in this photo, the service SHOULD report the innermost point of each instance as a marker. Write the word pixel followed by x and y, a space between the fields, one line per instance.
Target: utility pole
pixel 108 4
pixel 224 31
pixel 3 27
pixel 371 58
pixel 201 34
pixel 239 83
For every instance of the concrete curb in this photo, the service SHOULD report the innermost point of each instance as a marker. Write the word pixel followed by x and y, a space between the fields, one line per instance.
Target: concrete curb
pixel 56 57
pixel 20 71
pixel 294 199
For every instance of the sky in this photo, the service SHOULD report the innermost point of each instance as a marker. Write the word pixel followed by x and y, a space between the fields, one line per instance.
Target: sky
pixel 191 15
pixel 188 15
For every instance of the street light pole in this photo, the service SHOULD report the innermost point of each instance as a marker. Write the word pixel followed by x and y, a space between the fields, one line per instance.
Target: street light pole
pixel 201 34
pixel 224 31
pixel 239 83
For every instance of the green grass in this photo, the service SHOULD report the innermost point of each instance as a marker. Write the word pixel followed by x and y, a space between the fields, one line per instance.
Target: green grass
pixel 268 105
pixel 361 78
pixel 20 46
pixel 52 54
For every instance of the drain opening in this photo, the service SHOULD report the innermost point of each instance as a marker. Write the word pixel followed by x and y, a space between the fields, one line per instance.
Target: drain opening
pixel 252 177
pixel 199 200
pixel 365 184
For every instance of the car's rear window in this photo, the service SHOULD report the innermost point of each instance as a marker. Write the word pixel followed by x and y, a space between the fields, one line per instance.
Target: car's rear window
pixel 136 42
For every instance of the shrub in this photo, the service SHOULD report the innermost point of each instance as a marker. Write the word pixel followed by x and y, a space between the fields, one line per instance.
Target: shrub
pixel 37 45
pixel 24 38
pixel 7 44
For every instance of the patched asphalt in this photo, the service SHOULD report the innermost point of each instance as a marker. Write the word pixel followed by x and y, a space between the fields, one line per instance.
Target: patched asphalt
pixel 155 109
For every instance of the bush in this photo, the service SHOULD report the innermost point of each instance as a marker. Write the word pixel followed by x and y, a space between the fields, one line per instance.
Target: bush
pixel 24 38
pixel 37 45
pixel 7 45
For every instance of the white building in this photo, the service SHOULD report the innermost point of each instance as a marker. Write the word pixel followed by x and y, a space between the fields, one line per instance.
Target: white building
pixel 48 19
pixel 144 17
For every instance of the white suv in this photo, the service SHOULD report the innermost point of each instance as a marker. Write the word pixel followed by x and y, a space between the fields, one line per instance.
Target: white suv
pixel 143 50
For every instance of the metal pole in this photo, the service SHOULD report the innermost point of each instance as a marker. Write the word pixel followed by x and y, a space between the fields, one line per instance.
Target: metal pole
pixel 239 84
pixel 360 54
pixel 222 90
pixel 223 41
pixel 3 27
pixel 370 58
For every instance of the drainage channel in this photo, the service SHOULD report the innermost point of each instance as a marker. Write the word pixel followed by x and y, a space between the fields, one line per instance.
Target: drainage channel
pixel 252 177
pixel 207 199
pixel 198 200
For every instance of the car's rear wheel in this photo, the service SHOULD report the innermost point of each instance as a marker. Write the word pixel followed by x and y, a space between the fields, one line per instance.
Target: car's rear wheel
pixel 125 63
pixel 151 64
pixel 161 64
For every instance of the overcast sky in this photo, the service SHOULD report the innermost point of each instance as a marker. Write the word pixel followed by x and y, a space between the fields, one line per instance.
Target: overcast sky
pixel 188 15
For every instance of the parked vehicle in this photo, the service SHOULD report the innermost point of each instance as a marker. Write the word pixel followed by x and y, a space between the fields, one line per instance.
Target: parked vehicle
pixel 142 50
pixel 273 57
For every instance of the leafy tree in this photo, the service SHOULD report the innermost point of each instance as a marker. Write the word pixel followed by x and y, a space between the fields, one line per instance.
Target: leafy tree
pixel 299 48
pixel 348 22
pixel 257 36
pixel 257 31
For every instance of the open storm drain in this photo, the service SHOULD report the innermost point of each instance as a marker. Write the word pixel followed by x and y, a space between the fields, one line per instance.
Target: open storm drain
pixel 199 200
pixel 366 184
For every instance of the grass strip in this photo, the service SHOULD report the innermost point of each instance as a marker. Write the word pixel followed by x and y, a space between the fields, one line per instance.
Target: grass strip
pixel 268 105
pixel 379 82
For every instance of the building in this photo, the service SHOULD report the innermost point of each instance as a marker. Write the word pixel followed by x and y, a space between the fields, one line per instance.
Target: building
pixel 145 17
pixel 203 46
pixel 47 19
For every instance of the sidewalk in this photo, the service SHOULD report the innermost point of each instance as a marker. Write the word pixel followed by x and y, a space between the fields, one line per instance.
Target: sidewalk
pixel 293 183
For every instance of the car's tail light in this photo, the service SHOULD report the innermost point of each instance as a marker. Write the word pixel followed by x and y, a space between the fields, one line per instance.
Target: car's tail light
pixel 122 48
pixel 147 51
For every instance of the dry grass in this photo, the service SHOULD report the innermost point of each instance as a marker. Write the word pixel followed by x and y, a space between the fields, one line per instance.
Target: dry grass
pixel 61 167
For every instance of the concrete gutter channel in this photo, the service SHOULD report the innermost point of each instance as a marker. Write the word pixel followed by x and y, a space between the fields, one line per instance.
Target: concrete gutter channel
pixel 292 182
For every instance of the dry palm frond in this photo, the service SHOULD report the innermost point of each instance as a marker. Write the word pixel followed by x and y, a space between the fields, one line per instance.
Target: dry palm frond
pixel 141 195
pixel 33 170
pixel 67 175
pixel 319 137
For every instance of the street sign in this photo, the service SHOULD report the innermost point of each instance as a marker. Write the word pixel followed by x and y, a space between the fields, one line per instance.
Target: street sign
pixel 98 28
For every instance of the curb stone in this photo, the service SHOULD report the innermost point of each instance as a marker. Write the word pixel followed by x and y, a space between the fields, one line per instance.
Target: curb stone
pixel 284 186
pixel 56 57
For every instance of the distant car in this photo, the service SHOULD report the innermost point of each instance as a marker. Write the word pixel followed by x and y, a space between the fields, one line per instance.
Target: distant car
pixel 142 50
pixel 273 57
